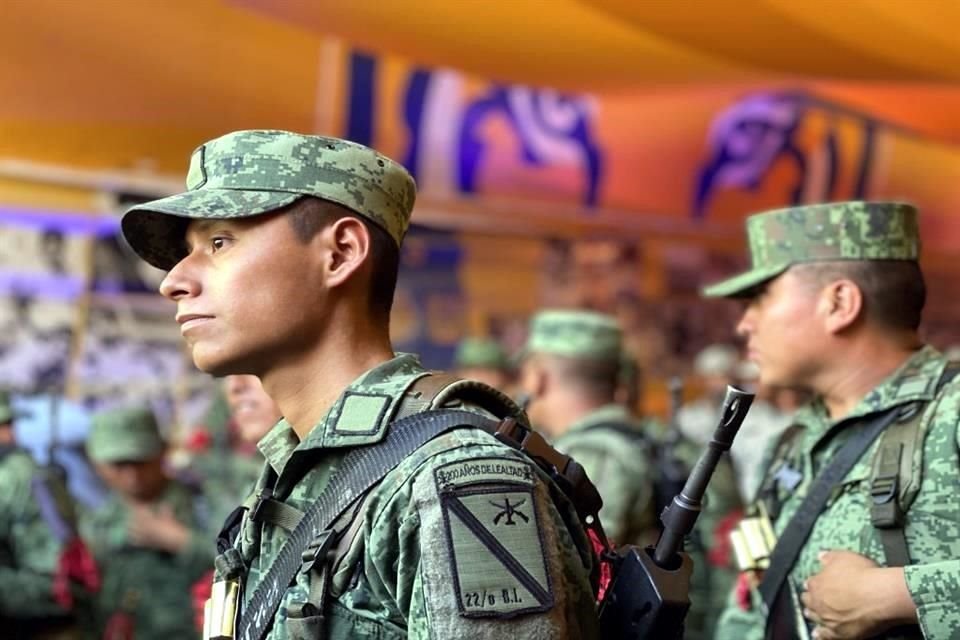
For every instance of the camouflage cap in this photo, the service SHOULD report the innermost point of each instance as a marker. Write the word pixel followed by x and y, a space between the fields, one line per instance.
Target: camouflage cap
pixel 480 352
pixel 248 173
pixel 821 233
pixel 124 434
pixel 575 334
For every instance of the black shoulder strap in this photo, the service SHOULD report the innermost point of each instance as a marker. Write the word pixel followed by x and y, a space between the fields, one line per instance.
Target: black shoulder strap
pixel 797 531
pixel 361 469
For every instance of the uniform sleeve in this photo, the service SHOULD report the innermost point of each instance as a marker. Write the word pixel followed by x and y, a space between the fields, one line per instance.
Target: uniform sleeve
pixel 496 558
pixel 935 589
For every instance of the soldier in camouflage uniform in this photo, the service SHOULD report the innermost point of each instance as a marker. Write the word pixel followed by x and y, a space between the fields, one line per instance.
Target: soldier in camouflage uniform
pixel 229 475
pixel 570 373
pixel 833 303
pixel 36 530
pixel 483 359
pixel 150 538
pixel 282 257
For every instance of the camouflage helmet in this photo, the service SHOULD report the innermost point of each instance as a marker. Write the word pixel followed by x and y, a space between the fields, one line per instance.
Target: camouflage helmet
pixel 127 434
pixel 575 334
pixel 249 173
pixel 823 233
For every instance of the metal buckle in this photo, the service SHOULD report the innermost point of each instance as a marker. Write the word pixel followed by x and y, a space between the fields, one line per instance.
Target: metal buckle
pixel 265 494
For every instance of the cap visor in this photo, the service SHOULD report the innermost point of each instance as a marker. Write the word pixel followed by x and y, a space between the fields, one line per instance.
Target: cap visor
pixel 741 285
pixel 155 230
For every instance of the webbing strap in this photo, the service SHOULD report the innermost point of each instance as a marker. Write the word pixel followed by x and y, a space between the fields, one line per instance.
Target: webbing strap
pixel 797 531
pixel 360 470
pixel 896 476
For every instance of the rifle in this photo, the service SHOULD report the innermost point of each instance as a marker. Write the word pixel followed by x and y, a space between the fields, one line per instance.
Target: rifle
pixel 649 596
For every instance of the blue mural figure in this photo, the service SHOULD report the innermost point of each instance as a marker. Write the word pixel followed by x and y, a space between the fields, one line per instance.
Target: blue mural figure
pixel 748 139
pixel 538 119
pixel 545 123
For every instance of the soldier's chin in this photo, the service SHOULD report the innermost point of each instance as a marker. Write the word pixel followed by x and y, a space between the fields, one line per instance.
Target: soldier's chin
pixel 215 362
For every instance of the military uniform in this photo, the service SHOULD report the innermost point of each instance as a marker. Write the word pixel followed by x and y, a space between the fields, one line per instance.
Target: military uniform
pixel 462 539
pixel 145 592
pixel 35 531
pixel 860 231
pixel 619 465
pixel 608 442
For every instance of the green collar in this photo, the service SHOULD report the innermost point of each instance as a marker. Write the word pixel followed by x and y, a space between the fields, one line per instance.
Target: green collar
pixel 915 380
pixel 358 417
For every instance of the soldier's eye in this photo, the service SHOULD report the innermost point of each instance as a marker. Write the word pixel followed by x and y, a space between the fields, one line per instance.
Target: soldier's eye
pixel 218 243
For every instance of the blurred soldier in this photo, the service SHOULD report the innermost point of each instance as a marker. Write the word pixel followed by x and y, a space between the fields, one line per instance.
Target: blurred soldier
pixel 484 360
pixel 761 428
pixel 150 538
pixel 43 566
pixel 867 472
pixel 282 258
pixel 570 373
pixel 714 367
pixel 229 473
pixel 714 573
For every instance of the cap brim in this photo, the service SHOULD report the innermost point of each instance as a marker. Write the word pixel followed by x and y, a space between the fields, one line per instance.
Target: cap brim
pixel 155 230
pixel 740 286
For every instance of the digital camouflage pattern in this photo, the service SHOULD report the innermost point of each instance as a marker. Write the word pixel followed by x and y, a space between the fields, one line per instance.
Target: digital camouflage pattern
pixel 149 587
pixel 575 334
pixel 620 466
pixel 823 232
pixel 248 173
pixel 124 434
pixel 480 352
pixel 932 520
pixel 439 535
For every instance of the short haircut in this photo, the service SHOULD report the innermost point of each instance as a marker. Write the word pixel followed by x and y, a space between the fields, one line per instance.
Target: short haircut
pixel 596 378
pixel 894 291
pixel 309 215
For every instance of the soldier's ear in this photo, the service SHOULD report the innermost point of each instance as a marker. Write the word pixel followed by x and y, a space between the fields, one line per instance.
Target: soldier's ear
pixel 841 303
pixel 345 246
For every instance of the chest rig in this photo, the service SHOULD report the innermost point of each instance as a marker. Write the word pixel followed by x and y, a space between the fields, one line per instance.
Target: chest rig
pixel 320 537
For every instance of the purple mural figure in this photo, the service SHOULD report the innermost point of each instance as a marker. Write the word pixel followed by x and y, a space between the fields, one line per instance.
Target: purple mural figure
pixel 749 138
pixel 546 123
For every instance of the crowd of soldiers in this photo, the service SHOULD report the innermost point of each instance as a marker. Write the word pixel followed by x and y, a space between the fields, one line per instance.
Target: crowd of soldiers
pixel 363 496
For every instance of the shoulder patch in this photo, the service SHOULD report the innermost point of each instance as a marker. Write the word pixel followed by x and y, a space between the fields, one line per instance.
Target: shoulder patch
pixel 361 413
pixel 494 538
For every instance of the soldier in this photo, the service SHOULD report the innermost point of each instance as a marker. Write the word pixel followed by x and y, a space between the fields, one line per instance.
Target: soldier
pixel 868 470
pixel 714 367
pixel 484 360
pixel 149 538
pixel 39 552
pixel 282 258
pixel 229 474
pixel 570 373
